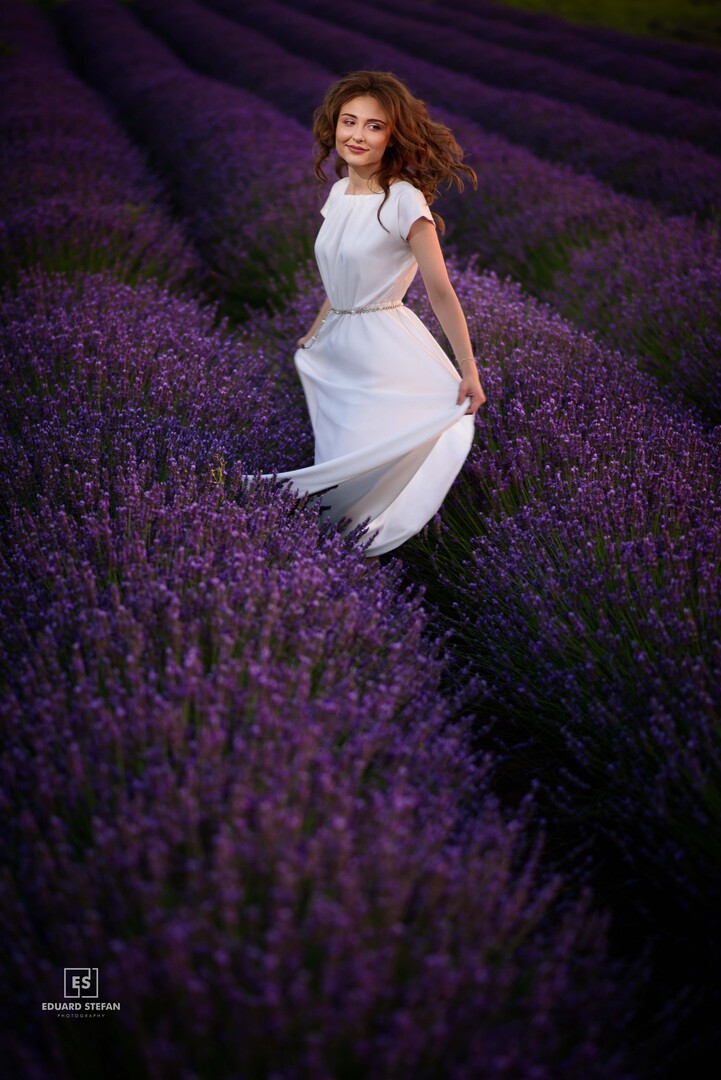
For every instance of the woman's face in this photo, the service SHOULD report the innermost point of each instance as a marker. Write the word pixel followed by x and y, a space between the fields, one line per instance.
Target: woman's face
pixel 362 134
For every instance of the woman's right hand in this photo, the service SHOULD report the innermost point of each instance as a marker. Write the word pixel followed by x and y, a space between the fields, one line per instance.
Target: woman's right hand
pixel 470 387
pixel 303 341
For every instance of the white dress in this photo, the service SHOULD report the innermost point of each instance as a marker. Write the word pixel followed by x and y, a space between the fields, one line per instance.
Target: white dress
pixel 381 392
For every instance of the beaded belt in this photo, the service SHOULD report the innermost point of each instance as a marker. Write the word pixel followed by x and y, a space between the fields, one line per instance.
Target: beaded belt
pixel 351 311
pixel 363 310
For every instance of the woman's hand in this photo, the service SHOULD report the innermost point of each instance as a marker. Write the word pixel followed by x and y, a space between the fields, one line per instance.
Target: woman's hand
pixel 303 341
pixel 470 387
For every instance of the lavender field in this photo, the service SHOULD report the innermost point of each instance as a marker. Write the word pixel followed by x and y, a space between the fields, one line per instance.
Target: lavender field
pixel 454 815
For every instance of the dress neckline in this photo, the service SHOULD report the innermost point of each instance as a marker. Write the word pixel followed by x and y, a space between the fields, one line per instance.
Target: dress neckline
pixel 364 194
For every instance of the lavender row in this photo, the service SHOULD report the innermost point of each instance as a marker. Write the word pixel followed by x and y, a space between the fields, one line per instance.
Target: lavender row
pixel 680 54
pixel 654 292
pixel 562 44
pixel 251 215
pixel 239 56
pixel 683 177
pixel 647 111
pixel 74 191
pixel 529 219
pixel 577 565
pixel 224 743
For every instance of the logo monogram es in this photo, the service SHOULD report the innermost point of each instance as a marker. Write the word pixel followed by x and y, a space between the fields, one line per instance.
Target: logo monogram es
pixel 81 982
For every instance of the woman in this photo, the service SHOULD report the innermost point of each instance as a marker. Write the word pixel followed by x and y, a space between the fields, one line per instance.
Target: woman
pixel 392 417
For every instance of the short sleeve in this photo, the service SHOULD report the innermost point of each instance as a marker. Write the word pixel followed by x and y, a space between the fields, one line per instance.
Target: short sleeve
pixel 332 194
pixel 411 206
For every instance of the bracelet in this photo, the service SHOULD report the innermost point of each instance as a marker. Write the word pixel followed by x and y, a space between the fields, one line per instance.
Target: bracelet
pixel 467 360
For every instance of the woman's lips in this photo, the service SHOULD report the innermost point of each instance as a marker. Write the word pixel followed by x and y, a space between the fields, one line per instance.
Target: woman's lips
pixel 357 149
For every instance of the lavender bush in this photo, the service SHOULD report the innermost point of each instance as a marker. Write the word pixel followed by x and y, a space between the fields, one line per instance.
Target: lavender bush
pixel 227 777
pixel 578 568
pixel 249 209
pixel 136 369
pixel 645 110
pixel 677 174
pixel 564 44
pixel 74 192
pixel 655 291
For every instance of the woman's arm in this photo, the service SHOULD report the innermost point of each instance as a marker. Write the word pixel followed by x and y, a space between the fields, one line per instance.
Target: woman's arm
pixel 424 243
pixel 324 309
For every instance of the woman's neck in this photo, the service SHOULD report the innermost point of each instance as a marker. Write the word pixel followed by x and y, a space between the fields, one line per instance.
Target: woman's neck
pixel 359 184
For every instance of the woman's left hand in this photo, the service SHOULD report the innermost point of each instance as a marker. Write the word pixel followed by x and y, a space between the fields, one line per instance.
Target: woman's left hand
pixel 470 387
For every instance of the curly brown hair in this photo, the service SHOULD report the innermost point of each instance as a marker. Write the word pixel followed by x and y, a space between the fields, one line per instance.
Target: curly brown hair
pixel 420 150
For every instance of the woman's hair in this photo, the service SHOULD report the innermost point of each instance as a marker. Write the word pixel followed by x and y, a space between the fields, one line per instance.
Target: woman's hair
pixel 420 150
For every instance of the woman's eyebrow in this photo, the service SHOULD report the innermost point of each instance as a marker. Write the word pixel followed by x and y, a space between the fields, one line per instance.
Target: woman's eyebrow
pixel 371 120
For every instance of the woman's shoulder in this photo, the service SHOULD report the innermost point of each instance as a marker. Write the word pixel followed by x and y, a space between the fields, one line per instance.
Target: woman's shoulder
pixel 410 204
pixel 406 192
pixel 404 187
pixel 337 188
pixel 332 193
